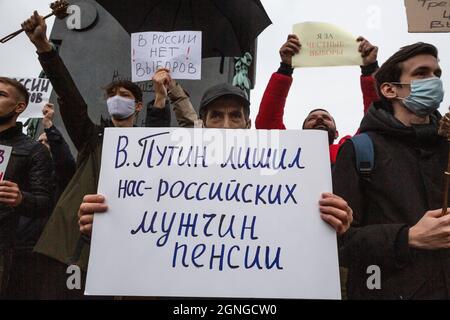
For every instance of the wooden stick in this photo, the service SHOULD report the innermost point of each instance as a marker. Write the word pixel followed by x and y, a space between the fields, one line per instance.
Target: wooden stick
pixel 447 185
pixel 15 34
pixel 59 9
pixel 444 131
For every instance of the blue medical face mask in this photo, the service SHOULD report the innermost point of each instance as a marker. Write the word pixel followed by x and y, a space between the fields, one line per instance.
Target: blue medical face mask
pixel 121 108
pixel 426 96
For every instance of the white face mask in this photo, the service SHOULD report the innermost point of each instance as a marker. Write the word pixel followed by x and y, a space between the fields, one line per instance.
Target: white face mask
pixel 121 108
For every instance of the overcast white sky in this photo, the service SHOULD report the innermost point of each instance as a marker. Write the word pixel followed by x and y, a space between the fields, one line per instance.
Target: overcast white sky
pixel 336 89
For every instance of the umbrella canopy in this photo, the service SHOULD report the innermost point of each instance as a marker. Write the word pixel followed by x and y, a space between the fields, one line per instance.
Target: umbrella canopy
pixel 229 27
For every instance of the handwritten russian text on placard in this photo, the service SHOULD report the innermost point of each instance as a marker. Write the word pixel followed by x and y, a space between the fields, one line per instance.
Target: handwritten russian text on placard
pixel 180 52
pixel 40 90
pixel 324 44
pixel 214 213
pixel 428 16
pixel 5 155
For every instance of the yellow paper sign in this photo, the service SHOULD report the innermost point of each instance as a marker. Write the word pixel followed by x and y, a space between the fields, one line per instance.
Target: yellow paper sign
pixel 324 44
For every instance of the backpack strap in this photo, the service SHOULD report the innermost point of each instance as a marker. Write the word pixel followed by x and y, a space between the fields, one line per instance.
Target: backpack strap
pixel 365 155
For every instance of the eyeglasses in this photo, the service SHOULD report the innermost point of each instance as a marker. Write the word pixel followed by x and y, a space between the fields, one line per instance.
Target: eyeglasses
pixel 401 84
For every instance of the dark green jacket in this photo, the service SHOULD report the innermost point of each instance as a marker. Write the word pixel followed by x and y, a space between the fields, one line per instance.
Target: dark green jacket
pixel 61 238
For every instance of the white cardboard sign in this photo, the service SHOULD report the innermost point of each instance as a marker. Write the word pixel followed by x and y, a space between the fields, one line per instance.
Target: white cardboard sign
pixel 214 213
pixel 40 90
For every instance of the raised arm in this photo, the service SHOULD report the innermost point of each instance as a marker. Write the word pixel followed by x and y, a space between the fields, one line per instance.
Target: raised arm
pixel 185 113
pixel 369 53
pixel 65 165
pixel 74 110
pixel 271 109
pixel 158 111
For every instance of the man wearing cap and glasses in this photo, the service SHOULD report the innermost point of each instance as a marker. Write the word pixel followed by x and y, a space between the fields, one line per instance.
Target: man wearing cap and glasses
pixel 227 107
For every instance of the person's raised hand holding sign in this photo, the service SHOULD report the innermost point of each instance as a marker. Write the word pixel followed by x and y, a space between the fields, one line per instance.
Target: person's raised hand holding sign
pixel 36 30
pixel 289 49
pixel 161 81
pixel 94 203
pixel 369 52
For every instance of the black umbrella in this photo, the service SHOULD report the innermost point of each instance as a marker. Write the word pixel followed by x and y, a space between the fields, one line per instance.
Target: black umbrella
pixel 229 27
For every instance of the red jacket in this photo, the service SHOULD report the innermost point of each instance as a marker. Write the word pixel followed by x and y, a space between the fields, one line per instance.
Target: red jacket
pixel 271 110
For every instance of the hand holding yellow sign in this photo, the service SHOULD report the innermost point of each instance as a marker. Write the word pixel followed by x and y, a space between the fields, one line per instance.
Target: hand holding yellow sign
pixel 324 44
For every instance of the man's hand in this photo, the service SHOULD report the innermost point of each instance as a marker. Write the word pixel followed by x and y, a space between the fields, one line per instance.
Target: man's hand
pixel 161 81
pixel 369 52
pixel 36 30
pixel 10 194
pixel 432 232
pixel 91 204
pixel 289 49
pixel 48 111
pixel 336 212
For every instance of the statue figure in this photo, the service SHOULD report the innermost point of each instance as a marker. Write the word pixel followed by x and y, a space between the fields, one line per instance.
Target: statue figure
pixel 241 66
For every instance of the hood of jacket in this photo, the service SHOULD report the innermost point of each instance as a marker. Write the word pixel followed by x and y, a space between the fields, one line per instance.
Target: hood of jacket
pixel 378 119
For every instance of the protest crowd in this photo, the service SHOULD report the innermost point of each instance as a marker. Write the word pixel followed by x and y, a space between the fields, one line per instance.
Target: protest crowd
pixel 386 208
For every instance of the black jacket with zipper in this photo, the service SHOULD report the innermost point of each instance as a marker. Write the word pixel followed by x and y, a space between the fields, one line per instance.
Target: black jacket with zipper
pixel 30 168
pixel 406 182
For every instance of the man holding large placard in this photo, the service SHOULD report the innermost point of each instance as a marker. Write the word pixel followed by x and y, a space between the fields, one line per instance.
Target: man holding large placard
pixel 223 106
pixel 226 107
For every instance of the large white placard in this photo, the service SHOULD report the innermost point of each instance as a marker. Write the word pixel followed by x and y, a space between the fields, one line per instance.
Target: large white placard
pixel 178 51
pixel 214 213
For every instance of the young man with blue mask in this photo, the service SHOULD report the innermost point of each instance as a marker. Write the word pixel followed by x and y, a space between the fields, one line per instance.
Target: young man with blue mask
pixel 398 245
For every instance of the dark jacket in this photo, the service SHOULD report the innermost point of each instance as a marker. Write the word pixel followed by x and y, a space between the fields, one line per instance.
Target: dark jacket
pixel 30 168
pixel 407 181
pixel 61 237
pixel 64 164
